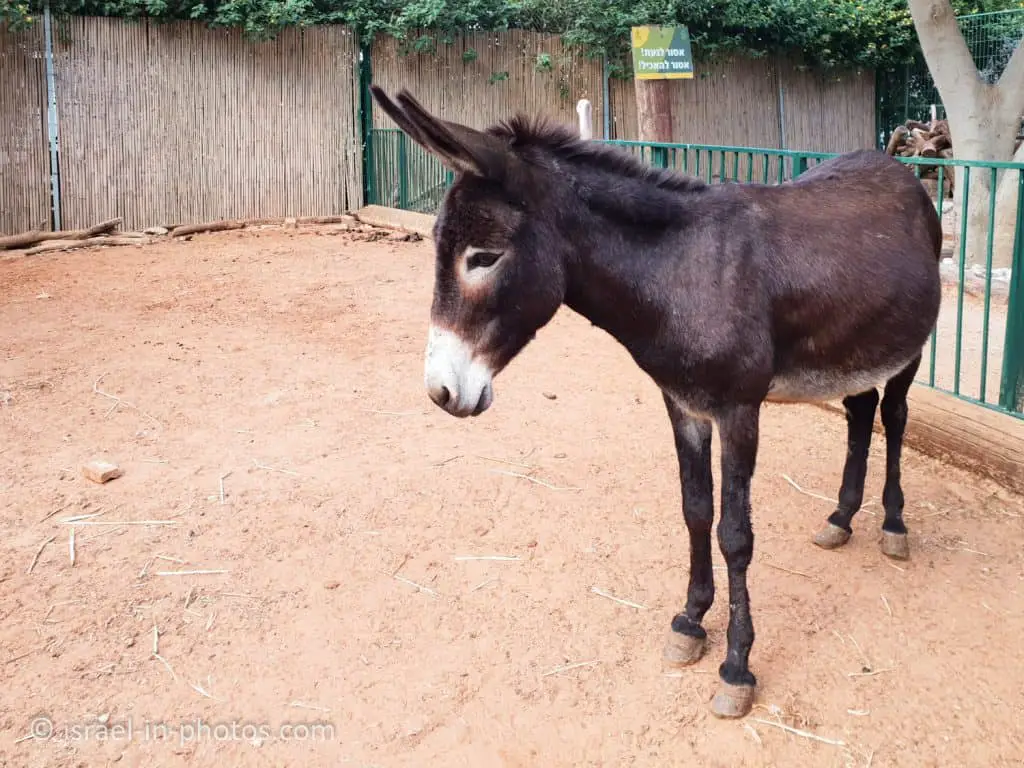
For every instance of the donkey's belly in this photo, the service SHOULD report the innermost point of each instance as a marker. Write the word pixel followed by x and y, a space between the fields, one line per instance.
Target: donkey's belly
pixel 814 386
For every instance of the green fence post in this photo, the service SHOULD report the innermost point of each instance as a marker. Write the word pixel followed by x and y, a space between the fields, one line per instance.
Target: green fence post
pixel 366 119
pixel 1011 390
pixel 993 186
pixel 958 344
pixel 799 165
pixel 403 173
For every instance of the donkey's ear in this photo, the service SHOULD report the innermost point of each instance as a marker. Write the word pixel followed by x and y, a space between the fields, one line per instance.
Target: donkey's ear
pixel 462 149
pixel 396 113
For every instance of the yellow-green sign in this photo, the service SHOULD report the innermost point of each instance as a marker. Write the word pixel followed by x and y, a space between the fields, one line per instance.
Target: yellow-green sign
pixel 662 53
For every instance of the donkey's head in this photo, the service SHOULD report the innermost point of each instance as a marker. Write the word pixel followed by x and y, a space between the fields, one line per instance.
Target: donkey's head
pixel 499 273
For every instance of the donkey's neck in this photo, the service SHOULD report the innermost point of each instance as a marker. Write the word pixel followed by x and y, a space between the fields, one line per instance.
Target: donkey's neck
pixel 630 241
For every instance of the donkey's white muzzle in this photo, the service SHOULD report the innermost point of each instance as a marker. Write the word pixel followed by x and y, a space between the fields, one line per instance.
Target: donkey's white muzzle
pixel 455 381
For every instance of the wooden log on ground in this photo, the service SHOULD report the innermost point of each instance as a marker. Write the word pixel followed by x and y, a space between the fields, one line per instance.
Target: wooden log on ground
pixel 911 147
pixel 936 144
pixel 210 226
pixel 344 218
pixel 89 242
pixel 967 436
pixel 264 222
pixel 896 140
pixel 22 240
pixel 26 239
pixel 920 138
pixel 225 225
pixel 97 229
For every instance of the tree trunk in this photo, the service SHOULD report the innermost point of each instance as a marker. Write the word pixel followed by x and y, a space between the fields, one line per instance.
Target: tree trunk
pixel 1006 215
pixel 984 119
pixel 986 140
pixel 654 110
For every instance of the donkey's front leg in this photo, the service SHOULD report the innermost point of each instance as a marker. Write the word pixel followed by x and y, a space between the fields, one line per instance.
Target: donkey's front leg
pixel 738 430
pixel 685 642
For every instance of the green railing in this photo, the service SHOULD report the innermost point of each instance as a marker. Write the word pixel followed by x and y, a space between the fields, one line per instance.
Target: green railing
pixel 977 350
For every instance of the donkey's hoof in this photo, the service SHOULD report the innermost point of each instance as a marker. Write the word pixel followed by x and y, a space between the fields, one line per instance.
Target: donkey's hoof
pixel 831 537
pixel 895 545
pixel 733 701
pixel 682 650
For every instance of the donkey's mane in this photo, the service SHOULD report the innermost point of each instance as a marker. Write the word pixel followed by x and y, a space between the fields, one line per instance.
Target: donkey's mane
pixel 523 132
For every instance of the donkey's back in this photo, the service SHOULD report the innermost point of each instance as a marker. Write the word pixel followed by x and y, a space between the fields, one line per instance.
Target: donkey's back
pixel 850 251
pixel 868 203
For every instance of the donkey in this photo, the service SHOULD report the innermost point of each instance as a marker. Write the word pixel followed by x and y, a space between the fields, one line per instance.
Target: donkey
pixel 728 296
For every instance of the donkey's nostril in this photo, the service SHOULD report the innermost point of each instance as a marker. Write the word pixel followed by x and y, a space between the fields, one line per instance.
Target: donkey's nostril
pixel 441 395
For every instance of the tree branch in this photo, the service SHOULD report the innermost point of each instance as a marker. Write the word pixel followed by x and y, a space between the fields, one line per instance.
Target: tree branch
pixel 1011 82
pixel 945 52
pixel 1018 156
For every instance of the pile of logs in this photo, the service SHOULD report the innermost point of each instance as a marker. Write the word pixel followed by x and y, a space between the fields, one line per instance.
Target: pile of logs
pixel 917 139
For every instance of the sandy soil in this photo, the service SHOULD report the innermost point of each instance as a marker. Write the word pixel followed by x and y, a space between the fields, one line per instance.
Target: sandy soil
pixel 292 361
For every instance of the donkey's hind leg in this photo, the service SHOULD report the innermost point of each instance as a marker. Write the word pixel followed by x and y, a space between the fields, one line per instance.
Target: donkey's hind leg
pixel 860 418
pixel 894 419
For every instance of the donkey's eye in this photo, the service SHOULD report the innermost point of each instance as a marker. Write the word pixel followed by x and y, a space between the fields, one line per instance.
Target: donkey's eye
pixel 482 259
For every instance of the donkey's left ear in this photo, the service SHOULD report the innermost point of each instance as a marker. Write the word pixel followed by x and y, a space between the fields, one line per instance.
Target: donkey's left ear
pixel 460 148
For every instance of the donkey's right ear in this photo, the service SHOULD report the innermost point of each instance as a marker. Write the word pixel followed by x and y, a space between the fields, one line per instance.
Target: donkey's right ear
pixel 460 148
pixel 396 113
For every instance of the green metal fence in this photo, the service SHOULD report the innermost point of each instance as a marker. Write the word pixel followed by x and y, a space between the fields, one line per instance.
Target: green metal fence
pixel 977 350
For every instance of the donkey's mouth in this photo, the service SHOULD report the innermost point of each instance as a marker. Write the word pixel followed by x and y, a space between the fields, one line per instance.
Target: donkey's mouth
pixel 456 379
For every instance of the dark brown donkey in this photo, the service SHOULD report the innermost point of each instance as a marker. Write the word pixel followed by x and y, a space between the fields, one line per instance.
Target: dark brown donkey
pixel 727 295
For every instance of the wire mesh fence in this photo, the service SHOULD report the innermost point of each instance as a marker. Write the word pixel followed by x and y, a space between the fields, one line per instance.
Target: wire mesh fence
pixel 909 93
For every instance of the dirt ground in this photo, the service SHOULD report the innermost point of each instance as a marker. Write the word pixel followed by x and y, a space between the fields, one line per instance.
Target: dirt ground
pixel 335 586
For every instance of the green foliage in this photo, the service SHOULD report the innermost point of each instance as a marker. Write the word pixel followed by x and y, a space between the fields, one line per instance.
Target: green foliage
pixel 16 14
pixel 825 33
